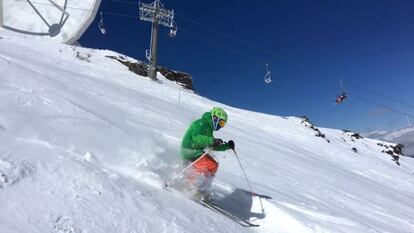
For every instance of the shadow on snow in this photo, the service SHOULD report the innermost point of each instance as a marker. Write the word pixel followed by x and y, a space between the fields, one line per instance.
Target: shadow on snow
pixel 239 203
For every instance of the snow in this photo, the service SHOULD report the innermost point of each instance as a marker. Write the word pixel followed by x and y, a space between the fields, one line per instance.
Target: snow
pixel 86 146
pixel 403 136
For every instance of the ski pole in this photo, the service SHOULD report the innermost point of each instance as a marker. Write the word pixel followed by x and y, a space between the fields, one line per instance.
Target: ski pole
pixel 185 169
pixel 247 180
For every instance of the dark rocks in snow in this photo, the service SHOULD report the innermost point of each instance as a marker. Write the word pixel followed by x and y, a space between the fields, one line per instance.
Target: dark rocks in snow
pixel 398 149
pixel 141 68
pixel 83 57
pixel 383 145
pixel 354 149
pixel 182 78
pixel 395 151
pixel 353 135
pixel 308 124
pixel 356 136
pixel 138 68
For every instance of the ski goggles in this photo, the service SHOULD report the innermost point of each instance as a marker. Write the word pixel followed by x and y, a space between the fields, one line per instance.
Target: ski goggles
pixel 218 123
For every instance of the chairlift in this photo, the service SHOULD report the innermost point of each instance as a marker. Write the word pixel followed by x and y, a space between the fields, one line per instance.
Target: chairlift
pixel 342 96
pixel 101 25
pixel 148 55
pixel 173 30
pixel 267 78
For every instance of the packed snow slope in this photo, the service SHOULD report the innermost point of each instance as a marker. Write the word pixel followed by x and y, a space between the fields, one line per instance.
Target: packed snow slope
pixel 86 146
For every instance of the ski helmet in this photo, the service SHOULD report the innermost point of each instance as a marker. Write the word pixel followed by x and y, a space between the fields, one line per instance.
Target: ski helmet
pixel 219 117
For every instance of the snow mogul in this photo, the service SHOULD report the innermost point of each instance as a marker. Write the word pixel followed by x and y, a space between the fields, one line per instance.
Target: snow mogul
pixel 198 141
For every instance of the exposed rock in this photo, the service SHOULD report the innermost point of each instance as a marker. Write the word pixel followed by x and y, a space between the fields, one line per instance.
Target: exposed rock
pixel 356 136
pixel 182 78
pixel 318 133
pixel 395 151
pixel 141 68
pixel 352 134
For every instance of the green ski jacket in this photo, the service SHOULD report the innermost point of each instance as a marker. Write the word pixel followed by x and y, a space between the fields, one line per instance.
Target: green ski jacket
pixel 198 137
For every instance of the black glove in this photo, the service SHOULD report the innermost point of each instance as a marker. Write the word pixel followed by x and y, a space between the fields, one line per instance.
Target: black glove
pixel 217 142
pixel 231 144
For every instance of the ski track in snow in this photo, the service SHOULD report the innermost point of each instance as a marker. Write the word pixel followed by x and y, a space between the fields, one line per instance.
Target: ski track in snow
pixel 86 146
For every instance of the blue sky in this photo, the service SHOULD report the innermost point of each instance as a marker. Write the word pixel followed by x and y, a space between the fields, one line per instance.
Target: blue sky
pixel 309 46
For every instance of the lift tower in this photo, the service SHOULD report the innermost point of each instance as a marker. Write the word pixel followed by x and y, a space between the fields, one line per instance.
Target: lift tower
pixel 156 14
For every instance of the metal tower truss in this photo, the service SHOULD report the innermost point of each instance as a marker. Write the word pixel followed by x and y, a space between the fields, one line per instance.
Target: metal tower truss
pixel 155 12
pixel 157 15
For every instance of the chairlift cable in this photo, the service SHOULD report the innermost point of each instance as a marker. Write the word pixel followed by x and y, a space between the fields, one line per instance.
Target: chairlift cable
pixel 382 105
pixel 120 15
pixel 216 31
pixel 268 73
pixel 204 38
pixel 127 2
pixel 367 100
pixel 227 47
pixel 381 95
pixel 232 37
pixel 269 53
pixel 224 46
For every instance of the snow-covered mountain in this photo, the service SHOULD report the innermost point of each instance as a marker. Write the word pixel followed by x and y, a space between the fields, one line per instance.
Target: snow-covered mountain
pixel 86 146
pixel 403 136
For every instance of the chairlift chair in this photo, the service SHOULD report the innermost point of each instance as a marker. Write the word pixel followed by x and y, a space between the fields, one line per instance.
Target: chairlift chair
pixel 268 78
pixel 148 55
pixel 101 25
pixel 173 31
pixel 341 97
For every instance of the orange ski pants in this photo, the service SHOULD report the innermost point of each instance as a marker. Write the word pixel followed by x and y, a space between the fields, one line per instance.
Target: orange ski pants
pixel 206 166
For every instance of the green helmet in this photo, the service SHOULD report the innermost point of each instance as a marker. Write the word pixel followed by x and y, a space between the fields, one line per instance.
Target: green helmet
pixel 220 113
pixel 219 118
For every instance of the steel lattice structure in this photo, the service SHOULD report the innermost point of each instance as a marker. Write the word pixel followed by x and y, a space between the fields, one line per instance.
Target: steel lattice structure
pixel 156 14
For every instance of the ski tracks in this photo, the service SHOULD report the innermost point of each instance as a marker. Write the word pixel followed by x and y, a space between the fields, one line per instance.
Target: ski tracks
pixel 279 221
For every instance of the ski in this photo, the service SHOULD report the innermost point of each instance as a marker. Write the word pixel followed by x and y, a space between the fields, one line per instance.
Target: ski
pixel 216 208
pixel 258 195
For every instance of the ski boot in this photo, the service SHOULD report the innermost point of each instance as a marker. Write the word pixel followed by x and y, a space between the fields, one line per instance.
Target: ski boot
pixel 203 196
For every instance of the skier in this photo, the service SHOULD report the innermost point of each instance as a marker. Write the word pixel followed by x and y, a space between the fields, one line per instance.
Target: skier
pixel 199 137
pixel 340 98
